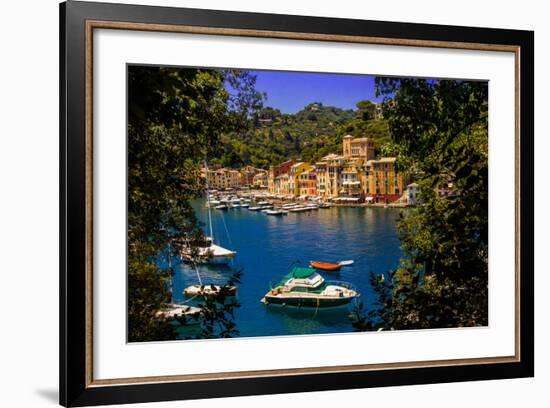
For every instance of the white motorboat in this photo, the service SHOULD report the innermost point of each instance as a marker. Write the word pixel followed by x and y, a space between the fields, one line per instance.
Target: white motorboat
pixel 300 209
pixel 304 287
pixel 275 212
pixel 289 206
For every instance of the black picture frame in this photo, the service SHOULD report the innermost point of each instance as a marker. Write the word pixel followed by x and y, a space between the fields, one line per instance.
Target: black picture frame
pixel 75 389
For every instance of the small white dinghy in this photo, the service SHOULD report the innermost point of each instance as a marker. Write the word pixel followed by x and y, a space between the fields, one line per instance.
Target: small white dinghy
pixel 209 290
pixel 173 311
pixel 345 263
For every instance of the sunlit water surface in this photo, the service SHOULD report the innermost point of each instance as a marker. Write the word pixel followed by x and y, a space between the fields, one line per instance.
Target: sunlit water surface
pixel 268 245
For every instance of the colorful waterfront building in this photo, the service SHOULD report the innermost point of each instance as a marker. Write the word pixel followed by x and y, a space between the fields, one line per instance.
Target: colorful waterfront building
pixel 275 171
pixel 260 179
pixel 358 148
pixel 281 185
pixel 380 181
pixel 223 178
pixel 321 179
pixel 294 177
pixel 335 165
pixel 351 177
pixel 247 174
pixel 308 183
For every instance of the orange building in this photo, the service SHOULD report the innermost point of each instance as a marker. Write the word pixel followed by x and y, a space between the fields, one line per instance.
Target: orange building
pixel 308 183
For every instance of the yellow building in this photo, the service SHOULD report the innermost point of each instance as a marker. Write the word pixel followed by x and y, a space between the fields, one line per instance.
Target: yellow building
pixel 260 179
pixel 381 182
pixel 360 148
pixel 351 178
pixel 294 177
pixel 335 165
pixel 321 179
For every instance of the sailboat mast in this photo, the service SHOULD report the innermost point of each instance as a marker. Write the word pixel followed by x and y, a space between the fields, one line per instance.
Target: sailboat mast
pixel 171 275
pixel 208 202
pixel 198 274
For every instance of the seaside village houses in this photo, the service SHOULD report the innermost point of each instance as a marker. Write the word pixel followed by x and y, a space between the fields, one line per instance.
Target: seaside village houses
pixel 355 176
pixel 225 179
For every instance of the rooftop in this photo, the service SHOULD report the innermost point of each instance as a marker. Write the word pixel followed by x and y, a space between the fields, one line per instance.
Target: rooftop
pixel 332 156
pixel 386 160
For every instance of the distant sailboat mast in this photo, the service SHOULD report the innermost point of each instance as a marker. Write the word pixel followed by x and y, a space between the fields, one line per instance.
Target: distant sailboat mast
pixel 208 202
pixel 198 274
pixel 210 252
pixel 171 275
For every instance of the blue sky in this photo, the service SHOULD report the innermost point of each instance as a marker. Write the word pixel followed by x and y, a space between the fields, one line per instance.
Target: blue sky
pixel 291 91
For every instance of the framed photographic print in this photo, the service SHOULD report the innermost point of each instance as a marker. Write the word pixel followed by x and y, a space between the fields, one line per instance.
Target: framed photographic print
pixel 255 203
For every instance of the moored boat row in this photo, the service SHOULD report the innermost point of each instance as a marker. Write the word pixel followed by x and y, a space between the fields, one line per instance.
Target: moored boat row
pixel 269 208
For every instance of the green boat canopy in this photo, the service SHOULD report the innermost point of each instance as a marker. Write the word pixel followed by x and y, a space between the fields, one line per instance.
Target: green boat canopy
pixel 297 273
pixel 301 273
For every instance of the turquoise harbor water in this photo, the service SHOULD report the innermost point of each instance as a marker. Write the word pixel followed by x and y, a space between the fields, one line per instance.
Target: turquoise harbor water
pixel 266 247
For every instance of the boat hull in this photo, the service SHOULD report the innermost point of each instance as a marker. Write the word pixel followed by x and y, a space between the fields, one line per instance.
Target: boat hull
pixel 222 260
pixel 325 266
pixel 307 301
pixel 211 255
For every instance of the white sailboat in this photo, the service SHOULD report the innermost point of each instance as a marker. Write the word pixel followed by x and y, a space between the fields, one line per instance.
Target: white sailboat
pixel 210 253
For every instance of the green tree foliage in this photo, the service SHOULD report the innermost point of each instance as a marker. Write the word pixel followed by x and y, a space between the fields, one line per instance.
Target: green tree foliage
pixel 315 131
pixel 366 109
pixel 439 129
pixel 175 116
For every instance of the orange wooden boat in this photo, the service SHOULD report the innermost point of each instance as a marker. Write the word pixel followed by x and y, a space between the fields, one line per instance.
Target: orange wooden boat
pixel 325 266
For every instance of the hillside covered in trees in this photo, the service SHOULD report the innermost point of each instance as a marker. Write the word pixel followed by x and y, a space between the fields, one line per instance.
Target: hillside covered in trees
pixel 313 132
